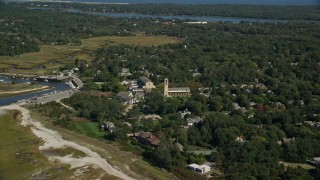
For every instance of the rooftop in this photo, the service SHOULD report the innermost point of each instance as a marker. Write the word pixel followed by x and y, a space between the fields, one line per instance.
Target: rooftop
pixel 179 89
pixel 144 79
pixel 124 95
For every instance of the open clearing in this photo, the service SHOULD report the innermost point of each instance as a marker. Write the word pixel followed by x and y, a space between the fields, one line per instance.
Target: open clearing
pixel 90 129
pixel 51 57
pixel 19 151
pixel 295 165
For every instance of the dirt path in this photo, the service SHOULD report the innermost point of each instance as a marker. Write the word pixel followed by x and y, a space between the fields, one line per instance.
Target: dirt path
pixel 53 139
pixel 26 90
pixel 66 106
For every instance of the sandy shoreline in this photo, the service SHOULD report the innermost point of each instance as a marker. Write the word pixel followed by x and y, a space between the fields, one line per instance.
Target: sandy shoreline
pixel 26 90
pixel 53 139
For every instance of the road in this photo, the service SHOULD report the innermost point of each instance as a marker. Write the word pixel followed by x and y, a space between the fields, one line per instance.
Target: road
pixel 54 97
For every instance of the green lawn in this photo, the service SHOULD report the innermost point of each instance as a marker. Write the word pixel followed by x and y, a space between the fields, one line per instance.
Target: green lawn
pixel 90 129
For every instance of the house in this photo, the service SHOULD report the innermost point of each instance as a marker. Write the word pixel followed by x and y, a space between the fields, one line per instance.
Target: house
pixel 125 72
pixel 314 124
pixel 193 120
pixel 199 168
pixel 184 113
pixel 286 141
pixel 151 116
pixel 145 83
pixel 240 139
pixel 174 92
pixel 139 95
pixel 126 97
pixel 315 161
pixel 147 138
pixel 108 126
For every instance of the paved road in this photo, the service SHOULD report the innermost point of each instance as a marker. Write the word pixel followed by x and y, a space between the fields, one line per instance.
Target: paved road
pixel 54 97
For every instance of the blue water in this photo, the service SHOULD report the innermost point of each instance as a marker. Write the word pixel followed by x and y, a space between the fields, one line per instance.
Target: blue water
pixel 192 18
pixel 255 2
pixel 56 86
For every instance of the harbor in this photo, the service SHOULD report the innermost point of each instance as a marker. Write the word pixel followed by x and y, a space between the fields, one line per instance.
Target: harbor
pixel 60 89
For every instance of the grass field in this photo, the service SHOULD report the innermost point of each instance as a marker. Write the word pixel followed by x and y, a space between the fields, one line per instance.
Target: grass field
pixel 54 56
pixel 90 129
pixel 148 171
pixel 20 156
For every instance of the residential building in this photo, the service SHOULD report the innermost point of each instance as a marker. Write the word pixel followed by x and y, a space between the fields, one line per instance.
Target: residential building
pixel 108 126
pixel 125 72
pixel 126 97
pixel 147 138
pixel 315 161
pixel 193 120
pixel 184 113
pixel 151 116
pixel 314 124
pixel 199 168
pixel 145 83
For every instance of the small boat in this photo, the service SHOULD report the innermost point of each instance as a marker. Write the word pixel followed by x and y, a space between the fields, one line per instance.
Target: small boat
pixel 46 80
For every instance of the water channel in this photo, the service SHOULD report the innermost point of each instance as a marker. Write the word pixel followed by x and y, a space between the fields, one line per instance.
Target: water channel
pixel 56 86
pixel 181 17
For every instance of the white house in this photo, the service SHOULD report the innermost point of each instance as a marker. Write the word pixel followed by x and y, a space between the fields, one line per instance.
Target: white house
pixel 199 168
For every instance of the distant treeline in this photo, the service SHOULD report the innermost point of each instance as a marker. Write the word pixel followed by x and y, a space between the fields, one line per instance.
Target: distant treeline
pixel 23 30
pixel 247 11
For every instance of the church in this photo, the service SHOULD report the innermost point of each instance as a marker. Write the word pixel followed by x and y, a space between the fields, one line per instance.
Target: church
pixel 174 92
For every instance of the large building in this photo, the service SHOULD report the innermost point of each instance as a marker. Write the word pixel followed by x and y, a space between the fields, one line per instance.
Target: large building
pixel 145 83
pixel 173 92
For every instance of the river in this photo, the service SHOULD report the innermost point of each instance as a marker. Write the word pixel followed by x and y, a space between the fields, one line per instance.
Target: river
pixel 189 18
pixel 253 2
pixel 56 86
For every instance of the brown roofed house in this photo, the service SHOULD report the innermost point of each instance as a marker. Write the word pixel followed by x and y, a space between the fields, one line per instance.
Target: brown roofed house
pixel 147 138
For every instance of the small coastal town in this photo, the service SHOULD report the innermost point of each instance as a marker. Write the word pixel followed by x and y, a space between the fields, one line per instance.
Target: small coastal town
pixel 192 90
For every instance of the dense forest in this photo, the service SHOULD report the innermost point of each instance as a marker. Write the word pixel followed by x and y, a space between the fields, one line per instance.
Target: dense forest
pixel 261 84
pixel 23 30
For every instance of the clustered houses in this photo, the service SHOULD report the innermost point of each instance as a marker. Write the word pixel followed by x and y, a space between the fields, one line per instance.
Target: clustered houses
pixel 135 90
